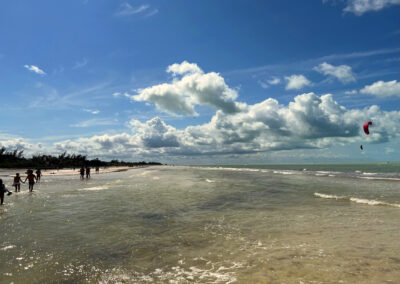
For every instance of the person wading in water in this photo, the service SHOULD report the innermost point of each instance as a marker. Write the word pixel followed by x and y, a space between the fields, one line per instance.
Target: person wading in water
pixel 32 178
pixel 17 182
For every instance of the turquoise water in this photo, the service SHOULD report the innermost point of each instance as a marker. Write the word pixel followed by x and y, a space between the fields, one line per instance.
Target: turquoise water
pixel 206 225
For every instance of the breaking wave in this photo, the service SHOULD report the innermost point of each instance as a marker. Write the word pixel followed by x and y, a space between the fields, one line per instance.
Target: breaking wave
pixel 356 200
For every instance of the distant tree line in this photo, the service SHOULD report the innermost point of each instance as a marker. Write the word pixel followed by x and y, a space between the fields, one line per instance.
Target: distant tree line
pixel 16 159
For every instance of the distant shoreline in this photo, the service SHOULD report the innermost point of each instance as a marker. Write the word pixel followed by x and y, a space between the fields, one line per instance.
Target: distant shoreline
pixel 71 171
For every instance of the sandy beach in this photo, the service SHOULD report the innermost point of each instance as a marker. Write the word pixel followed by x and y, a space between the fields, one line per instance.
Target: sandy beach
pixel 69 171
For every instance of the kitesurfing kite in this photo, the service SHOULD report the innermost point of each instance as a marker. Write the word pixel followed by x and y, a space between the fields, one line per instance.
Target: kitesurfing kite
pixel 366 127
pixel 366 130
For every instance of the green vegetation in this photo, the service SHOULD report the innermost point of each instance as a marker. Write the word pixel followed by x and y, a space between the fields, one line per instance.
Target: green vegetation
pixel 15 159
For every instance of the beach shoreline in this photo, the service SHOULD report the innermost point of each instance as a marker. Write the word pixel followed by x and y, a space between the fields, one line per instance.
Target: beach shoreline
pixel 70 171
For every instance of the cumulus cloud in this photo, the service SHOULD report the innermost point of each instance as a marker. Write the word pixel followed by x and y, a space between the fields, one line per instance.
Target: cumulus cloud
pixel 359 7
pixel 183 68
pixel 21 144
pixel 296 82
pixel 342 72
pixel 126 9
pixel 155 133
pixel 194 88
pixel 382 89
pixel 35 69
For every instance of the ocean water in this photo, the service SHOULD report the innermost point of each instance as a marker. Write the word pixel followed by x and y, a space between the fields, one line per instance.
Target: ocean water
pixel 231 224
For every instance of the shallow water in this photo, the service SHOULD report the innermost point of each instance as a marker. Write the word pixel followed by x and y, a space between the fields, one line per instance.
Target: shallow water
pixel 204 225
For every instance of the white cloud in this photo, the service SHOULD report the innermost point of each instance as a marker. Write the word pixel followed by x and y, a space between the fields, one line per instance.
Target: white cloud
pixel 95 122
pixel 351 92
pixel 382 89
pixel 342 72
pixel 155 133
pixel 359 7
pixel 296 82
pixel 193 88
pixel 263 84
pixel 92 111
pixel 274 81
pixel 35 69
pixel 127 9
pixel 116 94
pixel 184 68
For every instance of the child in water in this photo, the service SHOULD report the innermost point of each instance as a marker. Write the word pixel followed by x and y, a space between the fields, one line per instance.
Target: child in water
pixel 31 177
pixel 17 182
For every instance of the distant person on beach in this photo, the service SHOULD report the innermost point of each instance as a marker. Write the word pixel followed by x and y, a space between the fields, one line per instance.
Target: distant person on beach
pixel 3 190
pixel 38 174
pixel 97 170
pixel 31 177
pixel 82 172
pixel 17 182
pixel 87 172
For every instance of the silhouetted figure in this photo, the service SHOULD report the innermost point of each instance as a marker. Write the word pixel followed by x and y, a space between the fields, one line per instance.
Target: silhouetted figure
pixel 17 182
pixel 3 190
pixel 82 172
pixel 97 170
pixel 87 172
pixel 361 147
pixel 38 174
pixel 31 177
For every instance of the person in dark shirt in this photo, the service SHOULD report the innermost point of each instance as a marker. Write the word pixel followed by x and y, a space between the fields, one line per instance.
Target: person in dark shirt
pixel 3 190
pixel 82 172
pixel 38 174
pixel 87 172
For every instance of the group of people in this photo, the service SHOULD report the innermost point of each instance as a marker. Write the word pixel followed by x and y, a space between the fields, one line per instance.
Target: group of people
pixel 86 171
pixel 30 177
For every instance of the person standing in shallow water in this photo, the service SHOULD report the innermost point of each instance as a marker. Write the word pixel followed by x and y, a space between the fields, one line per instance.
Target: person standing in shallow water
pixel 82 172
pixel 87 172
pixel 17 182
pixel 38 174
pixel 3 190
pixel 31 177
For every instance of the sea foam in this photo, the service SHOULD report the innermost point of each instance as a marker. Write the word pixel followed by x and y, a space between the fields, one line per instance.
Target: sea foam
pixel 357 200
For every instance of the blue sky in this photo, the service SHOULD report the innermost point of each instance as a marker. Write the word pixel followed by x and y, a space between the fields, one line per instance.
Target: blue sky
pixel 202 81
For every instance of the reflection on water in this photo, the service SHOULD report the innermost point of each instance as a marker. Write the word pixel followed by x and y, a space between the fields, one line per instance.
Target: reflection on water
pixel 182 224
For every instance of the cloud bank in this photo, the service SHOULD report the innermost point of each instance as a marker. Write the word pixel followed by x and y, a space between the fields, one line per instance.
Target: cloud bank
pixel 309 121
